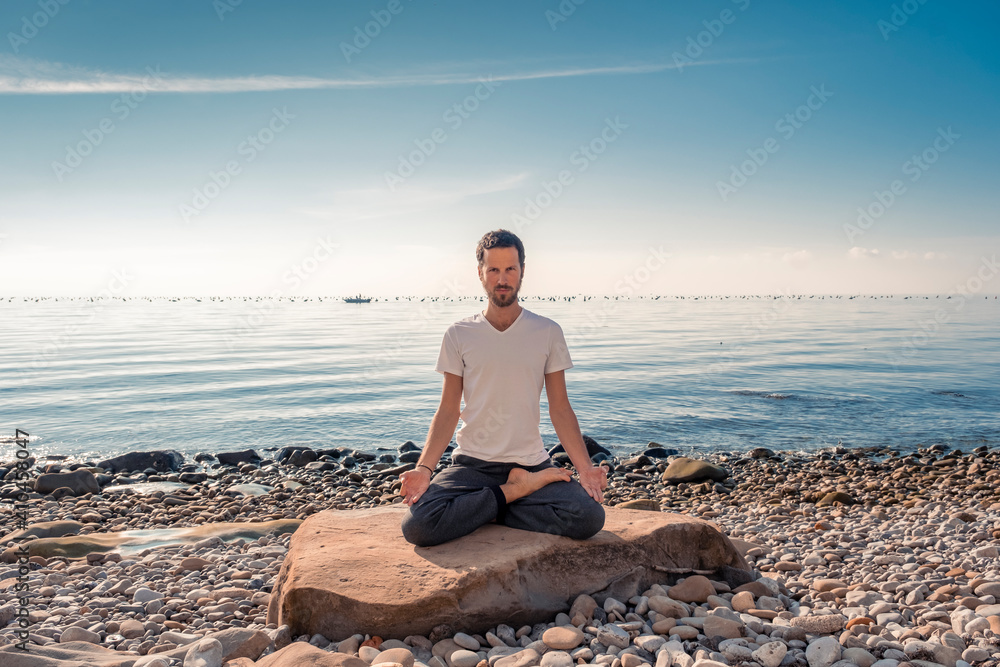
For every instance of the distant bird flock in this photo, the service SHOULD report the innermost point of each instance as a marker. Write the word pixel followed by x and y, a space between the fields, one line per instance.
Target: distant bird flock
pixel 456 299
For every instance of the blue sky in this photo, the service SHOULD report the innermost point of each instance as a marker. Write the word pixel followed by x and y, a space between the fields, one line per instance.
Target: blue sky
pixel 274 148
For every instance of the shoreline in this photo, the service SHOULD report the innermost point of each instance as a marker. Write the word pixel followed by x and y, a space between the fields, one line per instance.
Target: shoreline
pixel 903 524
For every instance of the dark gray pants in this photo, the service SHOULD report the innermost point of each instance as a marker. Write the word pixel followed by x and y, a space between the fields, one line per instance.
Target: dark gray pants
pixel 467 494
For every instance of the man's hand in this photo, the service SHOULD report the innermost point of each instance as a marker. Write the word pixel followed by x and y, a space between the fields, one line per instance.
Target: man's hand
pixel 414 483
pixel 594 480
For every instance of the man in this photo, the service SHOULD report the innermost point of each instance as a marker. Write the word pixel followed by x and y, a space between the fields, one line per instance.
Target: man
pixel 500 471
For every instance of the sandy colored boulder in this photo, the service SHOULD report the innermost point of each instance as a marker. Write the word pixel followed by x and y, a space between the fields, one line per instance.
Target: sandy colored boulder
pixel 742 601
pixel 827 585
pixel 682 469
pixel 45 529
pixel 695 588
pixel 71 653
pixel 301 654
pixel 78 546
pixel 835 497
pixel 563 638
pixel 716 626
pixel 584 605
pixel 647 504
pixel 236 643
pixel 335 582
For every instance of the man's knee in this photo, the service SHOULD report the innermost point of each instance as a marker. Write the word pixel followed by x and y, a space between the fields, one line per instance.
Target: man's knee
pixel 589 522
pixel 417 531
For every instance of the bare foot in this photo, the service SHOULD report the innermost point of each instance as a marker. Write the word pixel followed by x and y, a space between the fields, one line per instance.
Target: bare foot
pixel 521 483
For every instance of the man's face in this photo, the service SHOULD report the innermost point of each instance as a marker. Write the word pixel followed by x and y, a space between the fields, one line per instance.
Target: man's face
pixel 501 275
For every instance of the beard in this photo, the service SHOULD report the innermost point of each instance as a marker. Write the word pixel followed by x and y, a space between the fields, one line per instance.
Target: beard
pixel 505 299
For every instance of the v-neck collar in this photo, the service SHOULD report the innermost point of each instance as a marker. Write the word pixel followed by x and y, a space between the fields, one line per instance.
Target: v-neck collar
pixel 512 324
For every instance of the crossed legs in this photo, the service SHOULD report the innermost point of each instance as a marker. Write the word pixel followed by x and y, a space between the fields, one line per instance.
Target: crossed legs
pixel 468 494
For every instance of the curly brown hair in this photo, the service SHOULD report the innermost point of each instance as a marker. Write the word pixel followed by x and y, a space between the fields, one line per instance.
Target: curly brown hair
pixel 499 238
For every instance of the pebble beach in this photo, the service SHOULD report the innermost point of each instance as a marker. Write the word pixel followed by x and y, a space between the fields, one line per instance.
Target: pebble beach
pixel 860 557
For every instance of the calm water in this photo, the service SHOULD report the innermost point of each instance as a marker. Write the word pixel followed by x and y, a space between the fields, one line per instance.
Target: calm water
pixel 97 378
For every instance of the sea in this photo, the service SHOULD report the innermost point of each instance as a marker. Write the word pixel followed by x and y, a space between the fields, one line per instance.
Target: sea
pixel 92 378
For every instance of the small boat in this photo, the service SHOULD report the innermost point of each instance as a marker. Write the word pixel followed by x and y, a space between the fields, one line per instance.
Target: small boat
pixel 358 299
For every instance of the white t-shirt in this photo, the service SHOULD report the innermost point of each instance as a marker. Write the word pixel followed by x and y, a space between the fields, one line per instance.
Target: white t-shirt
pixel 503 373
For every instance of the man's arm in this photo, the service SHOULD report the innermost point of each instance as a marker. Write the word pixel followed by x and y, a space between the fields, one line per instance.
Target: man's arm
pixel 416 481
pixel 593 479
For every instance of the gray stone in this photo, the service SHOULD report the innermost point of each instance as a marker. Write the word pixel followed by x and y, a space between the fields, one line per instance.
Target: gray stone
pixel 162 460
pixel 462 658
pixel 80 482
pixel 611 635
pixel 823 652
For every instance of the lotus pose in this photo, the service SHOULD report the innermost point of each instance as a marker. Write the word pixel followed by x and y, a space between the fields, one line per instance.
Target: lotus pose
pixel 499 359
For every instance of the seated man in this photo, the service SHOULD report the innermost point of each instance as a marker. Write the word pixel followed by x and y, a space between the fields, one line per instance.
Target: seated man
pixel 500 470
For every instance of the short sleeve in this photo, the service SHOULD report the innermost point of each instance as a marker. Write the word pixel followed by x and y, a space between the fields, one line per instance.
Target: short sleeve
pixel 558 358
pixel 450 358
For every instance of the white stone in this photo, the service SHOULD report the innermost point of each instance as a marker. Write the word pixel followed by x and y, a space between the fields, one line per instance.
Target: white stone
pixel 960 618
pixel 464 658
pixel 205 653
pixel 770 654
pixel 152 661
pixel 144 595
pixel 978 624
pixel 556 659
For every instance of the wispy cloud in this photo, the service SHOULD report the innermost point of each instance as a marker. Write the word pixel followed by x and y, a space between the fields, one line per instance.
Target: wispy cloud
pixel 20 76
pixel 374 203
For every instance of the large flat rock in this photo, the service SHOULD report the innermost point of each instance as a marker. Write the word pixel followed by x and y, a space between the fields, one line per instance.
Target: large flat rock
pixel 352 572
